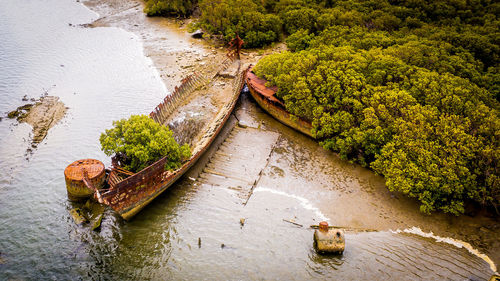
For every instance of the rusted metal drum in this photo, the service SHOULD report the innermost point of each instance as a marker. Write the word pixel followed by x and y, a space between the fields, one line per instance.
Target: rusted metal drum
pixel 329 240
pixel 77 190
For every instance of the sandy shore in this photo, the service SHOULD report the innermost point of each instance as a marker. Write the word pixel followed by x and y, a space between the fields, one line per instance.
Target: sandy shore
pixel 174 58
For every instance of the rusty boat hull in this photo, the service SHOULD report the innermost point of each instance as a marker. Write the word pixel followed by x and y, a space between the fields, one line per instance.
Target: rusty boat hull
pixel 129 211
pixel 265 97
pixel 129 192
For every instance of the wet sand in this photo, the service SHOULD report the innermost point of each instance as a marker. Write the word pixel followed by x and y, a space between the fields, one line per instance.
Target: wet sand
pixel 345 194
pixel 352 196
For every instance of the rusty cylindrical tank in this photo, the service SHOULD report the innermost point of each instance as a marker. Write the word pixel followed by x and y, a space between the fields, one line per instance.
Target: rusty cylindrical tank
pixel 329 240
pixel 77 190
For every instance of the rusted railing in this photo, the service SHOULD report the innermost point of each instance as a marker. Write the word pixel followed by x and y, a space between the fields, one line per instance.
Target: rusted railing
pixel 188 85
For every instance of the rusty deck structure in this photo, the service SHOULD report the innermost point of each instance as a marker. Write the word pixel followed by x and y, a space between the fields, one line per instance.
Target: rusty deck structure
pixel 128 192
pixel 266 98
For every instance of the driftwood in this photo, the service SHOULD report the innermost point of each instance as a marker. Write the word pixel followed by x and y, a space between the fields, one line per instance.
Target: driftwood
pixel 297 224
pixel 347 228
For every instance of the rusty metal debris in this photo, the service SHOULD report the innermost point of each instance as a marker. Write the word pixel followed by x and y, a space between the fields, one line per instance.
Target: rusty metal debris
pixel 75 173
pixel 266 98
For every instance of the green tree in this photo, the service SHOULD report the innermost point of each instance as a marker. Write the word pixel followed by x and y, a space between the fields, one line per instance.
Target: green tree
pixel 170 7
pixel 302 18
pixel 243 17
pixel 430 158
pixel 143 141
pixel 433 136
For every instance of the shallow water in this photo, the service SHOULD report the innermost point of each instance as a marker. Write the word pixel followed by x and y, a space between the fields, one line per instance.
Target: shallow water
pixel 102 75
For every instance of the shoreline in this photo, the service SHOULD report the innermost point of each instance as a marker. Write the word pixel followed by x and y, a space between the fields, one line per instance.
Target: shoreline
pixel 174 62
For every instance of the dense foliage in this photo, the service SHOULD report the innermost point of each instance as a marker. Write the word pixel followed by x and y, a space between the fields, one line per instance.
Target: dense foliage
pixel 433 136
pixel 246 18
pixel 143 141
pixel 170 7
pixel 407 88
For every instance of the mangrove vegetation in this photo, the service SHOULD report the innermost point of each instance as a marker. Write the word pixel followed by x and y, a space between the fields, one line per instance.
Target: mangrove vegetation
pixel 407 88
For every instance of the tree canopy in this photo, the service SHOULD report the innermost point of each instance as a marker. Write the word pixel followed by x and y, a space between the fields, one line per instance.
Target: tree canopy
pixel 143 141
pixel 434 136
pixel 170 7
pixel 407 88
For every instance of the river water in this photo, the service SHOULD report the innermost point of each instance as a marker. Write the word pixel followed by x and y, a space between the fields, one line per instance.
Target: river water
pixel 192 231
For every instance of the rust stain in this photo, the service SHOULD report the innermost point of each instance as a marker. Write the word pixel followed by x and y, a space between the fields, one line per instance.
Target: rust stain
pixel 265 97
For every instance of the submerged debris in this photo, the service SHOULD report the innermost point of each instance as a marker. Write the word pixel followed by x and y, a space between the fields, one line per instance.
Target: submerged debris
pixel 78 216
pixel 20 113
pixel 327 240
pixel 96 226
pixel 292 222
pixel 42 115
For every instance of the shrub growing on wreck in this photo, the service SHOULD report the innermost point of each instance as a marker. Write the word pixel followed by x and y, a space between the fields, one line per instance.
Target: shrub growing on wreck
pixel 143 141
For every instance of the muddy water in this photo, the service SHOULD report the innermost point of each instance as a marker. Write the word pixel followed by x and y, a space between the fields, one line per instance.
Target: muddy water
pixel 102 75
pixel 263 173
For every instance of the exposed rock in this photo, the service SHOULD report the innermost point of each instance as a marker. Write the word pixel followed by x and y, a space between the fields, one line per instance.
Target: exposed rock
pixel 197 34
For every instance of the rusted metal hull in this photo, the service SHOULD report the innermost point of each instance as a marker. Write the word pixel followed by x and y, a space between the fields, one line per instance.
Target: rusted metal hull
pixel 272 107
pixel 132 194
pixel 75 182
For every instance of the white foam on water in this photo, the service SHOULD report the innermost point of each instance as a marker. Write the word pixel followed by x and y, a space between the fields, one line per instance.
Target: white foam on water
pixel 457 243
pixel 303 201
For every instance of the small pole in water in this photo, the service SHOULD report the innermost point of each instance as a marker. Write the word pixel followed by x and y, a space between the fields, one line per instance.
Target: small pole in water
pixel 328 240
